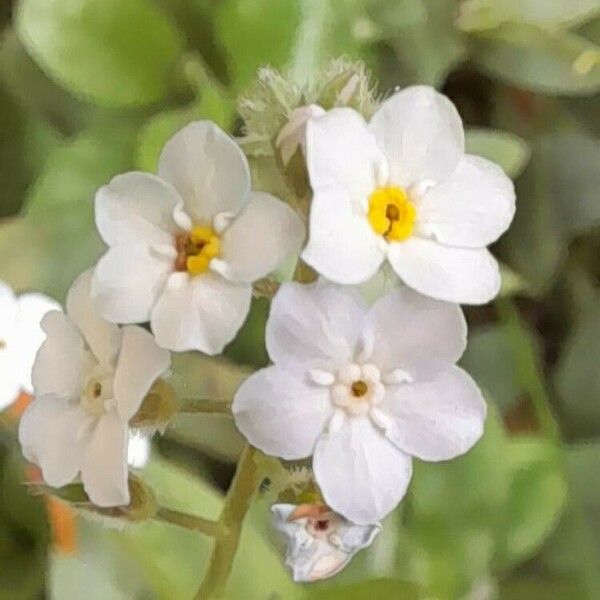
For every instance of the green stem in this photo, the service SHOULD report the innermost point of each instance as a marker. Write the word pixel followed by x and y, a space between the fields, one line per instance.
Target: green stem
pixel 213 407
pixel 528 370
pixel 237 503
pixel 188 521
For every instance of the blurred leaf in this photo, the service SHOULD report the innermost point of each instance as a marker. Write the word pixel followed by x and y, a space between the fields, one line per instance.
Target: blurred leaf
pixel 23 533
pixel 114 52
pixel 489 359
pixel 535 245
pixel 536 588
pixel 578 376
pixel 256 33
pixel 57 239
pixel 550 62
pixel 575 180
pixel 374 589
pixel 506 149
pixel 36 91
pixel 536 500
pixel 430 48
pixel 14 172
pixel 327 30
pixel 479 15
pixel 248 347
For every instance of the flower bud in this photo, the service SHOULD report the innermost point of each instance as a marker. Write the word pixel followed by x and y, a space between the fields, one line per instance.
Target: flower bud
pixel 319 542
pixel 158 408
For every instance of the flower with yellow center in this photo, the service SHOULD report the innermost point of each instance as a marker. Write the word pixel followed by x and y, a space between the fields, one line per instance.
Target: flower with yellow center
pixel 401 189
pixel 185 247
pixel 391 213
pixel 361 390
pixel 196 249
pixel 90 378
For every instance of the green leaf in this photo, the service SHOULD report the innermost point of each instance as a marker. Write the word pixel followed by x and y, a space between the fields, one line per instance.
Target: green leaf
pixel 328 29
pixel 57 239
pixel 429 49
pixel 112 52
pixel 506 149
pixel 256 33
pixel 374 589
pixel 479 15
pixel 552 62
pixel 536 499
pixel 489 360
pixel 578 376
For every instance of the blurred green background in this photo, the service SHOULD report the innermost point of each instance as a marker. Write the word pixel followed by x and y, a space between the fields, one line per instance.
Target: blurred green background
pixel 91 88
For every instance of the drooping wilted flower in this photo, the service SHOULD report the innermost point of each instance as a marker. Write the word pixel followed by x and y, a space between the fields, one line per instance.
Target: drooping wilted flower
pixel 20 338
pixel 402 188
pixel 185 247
pixel 319 542
pixel 362 391
pixel 89 379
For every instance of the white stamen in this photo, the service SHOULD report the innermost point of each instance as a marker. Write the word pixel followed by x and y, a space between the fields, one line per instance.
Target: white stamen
pixel 397 376
pixel 182 218
pixel 222 221
pixel 321 377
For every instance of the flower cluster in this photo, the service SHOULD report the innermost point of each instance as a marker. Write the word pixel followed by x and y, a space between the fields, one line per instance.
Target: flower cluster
pixel 355 390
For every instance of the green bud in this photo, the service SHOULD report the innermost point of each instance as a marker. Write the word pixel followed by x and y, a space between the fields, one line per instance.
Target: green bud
pixel 158 408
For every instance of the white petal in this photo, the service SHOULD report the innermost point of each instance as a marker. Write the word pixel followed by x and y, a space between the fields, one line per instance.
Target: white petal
pixel 60 364
pixel 281 414
pixel 361 474
pixel 263 235
pixel 8 310
pixel 342 245
pixel 342 154
pixel 10 380
pixel 315 325
pixel 136 208
pixel 421 134
pixel 208 169
pixel 102 337
pixel 200 313
pixel 414 333
pixel 104 468
pixel 463 275
pixel 32 309
pixel 141 362
pixel 128 281
pixel 472 208
pixel 437 420
pixel 49 436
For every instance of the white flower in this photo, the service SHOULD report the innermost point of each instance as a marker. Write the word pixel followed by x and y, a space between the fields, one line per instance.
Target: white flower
pixel 20 338
pixel 362 390
pixel 293 134
pixel 402 188
pixel 319 542
pixel 185 247
pixel 89 379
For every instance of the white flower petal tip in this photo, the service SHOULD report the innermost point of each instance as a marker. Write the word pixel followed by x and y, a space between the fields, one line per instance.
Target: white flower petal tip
pixel 185 246
pixel 402 188
pixel 90 377
pixel 21 335
pixel 319 542
pixel 363 410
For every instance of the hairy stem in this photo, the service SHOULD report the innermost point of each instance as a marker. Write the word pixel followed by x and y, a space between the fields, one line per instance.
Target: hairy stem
pixel 237 502
pixel 187 521
pixel 212 407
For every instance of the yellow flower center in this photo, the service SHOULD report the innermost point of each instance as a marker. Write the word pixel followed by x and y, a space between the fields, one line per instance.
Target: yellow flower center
pixel 196 249
pixel 391 213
